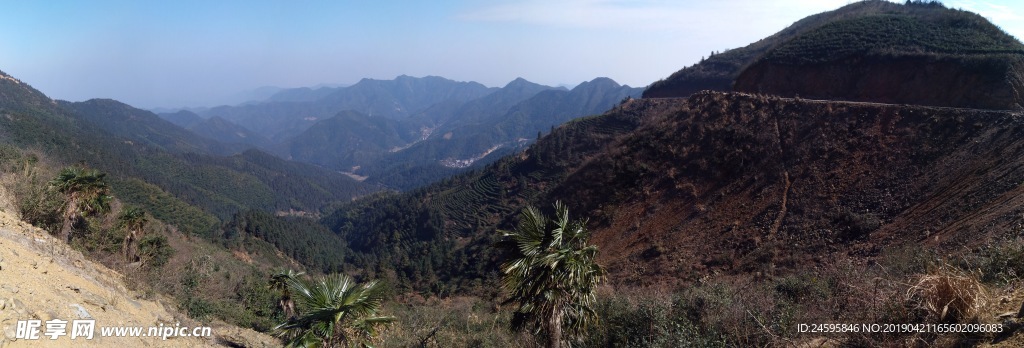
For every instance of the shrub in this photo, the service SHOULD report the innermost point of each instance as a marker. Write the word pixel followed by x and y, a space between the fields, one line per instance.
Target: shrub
pixel 650 321
pixel 1000 264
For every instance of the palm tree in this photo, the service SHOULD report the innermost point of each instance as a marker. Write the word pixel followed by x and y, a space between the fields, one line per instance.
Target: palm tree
pixel 86 193
pixel 334 311
pixel 133 220
pixel 552 274
pixel 280 282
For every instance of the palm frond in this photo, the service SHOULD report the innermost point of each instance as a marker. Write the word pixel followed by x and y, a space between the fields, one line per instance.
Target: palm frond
pixel 552 271
pixel 335 309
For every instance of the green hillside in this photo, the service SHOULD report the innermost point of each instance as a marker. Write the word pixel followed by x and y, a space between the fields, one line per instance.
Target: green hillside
pixel 349 139
pixel 217 186
pixel 936 31
pixel 145 127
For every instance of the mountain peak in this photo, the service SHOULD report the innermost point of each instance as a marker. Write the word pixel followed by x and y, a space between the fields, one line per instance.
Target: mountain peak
pixel 519 82
pixel 103 101
pixel 600 82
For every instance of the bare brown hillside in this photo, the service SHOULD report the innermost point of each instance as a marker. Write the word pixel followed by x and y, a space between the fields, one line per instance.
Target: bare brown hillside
pixel 749 184
pixel 40 278
pixel 981 82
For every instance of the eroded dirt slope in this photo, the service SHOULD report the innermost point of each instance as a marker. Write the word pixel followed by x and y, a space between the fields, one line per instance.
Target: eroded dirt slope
pixel 40 278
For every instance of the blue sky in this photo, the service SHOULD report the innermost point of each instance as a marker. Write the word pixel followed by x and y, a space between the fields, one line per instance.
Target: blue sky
pixel 202 53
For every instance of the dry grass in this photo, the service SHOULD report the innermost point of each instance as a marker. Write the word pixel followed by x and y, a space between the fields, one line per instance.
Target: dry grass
pixel 7 199
pixel 948 296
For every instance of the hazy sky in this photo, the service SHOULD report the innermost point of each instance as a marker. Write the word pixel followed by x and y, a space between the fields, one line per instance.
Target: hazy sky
pixel 196 53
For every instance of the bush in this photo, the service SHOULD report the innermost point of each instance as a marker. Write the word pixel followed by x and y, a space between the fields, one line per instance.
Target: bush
pixel 1000 263
pixel 154 250
pixel 26 184
pixel 649 322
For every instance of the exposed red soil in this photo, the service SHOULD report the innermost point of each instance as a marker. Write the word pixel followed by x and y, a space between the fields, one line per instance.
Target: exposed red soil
pixel 748 184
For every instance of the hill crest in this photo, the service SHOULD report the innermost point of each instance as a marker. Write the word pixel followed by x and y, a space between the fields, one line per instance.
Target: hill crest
pixel 721 71
pixel 925 55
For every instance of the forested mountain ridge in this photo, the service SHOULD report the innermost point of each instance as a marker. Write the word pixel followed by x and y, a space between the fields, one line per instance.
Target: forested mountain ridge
pixel 465 143
pixel 183 118
pixel 191 190
pixel 398 98
pixel 552 108
pixel 341 150
pixel 490 105
pixel 301 94
pixel 226 131
pixel 351 139
pixel 217 128
pixel 143 126
pixel 446 137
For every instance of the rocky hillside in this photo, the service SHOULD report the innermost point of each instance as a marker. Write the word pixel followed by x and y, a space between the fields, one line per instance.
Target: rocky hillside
pixel 42 278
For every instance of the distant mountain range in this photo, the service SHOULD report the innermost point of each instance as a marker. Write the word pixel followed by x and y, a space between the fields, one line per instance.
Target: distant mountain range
pixel 290 112
pixel 404 132
pixel 493 126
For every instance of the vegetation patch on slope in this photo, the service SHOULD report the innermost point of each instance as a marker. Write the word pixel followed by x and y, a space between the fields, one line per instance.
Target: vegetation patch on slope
pixel 939 32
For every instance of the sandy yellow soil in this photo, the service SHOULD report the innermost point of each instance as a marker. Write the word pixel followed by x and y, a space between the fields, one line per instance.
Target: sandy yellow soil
pixel 41 278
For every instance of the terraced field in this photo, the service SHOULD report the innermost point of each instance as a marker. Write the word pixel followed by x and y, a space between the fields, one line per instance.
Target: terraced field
pixel 482 193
